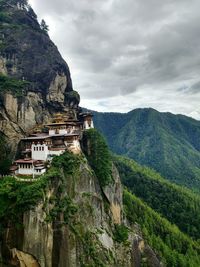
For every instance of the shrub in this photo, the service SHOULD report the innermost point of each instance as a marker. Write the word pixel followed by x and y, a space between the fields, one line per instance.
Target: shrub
pixel 98 155
pixel 12 84
pixel 121 233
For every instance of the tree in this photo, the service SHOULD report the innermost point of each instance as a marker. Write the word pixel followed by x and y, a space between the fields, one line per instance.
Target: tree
pixel 44 26
pixel 20 3
pixel 31 12
pixel 5 158
pixel 98 155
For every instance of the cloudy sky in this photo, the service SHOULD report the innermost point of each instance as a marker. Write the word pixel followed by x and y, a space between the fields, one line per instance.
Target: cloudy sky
pixel 131 53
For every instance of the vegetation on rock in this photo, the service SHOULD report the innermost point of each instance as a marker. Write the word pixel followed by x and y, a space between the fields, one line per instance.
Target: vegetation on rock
pixel 98 155
pixel 175 248
pixel 179 205
pixel 44 26
pixel 73 97
pixel 56 192
pixel 121 233
pixel 5 156
pixel 17 197
pixel 15 86
pixel 27 49
pixel 168 143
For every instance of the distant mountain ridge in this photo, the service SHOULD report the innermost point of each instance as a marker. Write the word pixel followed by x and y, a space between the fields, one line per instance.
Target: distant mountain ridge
pixel 168 143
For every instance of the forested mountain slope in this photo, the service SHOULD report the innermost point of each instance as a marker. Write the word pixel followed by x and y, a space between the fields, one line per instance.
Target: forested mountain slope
pixel 168 143
pixel 174 248
pixel 178 204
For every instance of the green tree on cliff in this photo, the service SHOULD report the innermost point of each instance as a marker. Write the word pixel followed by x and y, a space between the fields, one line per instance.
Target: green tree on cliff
pixel 98 155
pixel 44 26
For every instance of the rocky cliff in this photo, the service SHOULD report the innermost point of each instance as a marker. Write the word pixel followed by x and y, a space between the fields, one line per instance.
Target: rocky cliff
pixel 67 217
pixel 75 223
pixel 34 79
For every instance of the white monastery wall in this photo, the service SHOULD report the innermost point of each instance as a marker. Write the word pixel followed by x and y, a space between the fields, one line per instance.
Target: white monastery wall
pixel 40 152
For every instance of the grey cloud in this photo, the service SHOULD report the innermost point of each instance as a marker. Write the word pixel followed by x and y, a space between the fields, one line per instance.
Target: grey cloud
pixel 120 47
pixel 195 88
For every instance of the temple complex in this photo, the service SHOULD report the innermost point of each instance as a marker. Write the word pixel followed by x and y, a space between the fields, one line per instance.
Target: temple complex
pixel 63 133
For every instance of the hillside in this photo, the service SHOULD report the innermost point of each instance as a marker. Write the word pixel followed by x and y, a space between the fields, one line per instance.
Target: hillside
pixel 76 213
pixel 70 216
pixel 174 248
pixel 178 204
pixel 168 143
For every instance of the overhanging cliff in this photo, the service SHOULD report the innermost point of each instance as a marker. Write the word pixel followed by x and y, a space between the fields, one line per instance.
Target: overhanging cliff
pixel 35 81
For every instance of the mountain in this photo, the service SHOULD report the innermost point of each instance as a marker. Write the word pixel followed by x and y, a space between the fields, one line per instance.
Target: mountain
pixel 179 205
pixel 77 213
pixel 168 143
pixel 174 248
pixel 35 81
pixel 73 214
pixel 70 217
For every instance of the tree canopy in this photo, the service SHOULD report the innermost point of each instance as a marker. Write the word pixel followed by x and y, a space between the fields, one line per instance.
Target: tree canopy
pixel 98 155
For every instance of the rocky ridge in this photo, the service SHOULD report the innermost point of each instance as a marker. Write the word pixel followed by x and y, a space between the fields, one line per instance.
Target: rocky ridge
pixel 75 224
pixel 75 221
pixel 38 79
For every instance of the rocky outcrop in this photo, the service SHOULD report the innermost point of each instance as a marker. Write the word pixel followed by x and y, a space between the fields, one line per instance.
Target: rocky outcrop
pixel 28 54
pixel 74 225
pixel 23 259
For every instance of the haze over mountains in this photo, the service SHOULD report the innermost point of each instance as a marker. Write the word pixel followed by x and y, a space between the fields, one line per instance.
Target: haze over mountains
pixel 168 143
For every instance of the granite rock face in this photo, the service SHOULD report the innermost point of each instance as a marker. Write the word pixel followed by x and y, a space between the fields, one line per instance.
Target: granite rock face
pixel 88 237
pixel 28 54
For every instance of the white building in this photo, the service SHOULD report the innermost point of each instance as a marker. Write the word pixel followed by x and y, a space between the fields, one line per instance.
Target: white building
pixel 87 121
pixel 42 147
pixel 30 167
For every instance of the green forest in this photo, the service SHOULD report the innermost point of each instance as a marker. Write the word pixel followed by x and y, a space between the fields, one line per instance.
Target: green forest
pixel 178 204
pixel 175 248
pixel 98 155
pixel 168 143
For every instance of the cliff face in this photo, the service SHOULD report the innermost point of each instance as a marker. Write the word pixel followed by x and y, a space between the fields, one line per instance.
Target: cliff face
pixel 38 79
pixel 65 218
pixel 76 224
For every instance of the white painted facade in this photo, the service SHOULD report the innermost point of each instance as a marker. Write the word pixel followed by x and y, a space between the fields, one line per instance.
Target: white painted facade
pixel 29 169
pixel 56 152
pixel 43 147
pixel 88 125
pixel 25 170
pixel 52 132
pixel 76 144
pixel 63 131
pixel 60 131
pixel 39 152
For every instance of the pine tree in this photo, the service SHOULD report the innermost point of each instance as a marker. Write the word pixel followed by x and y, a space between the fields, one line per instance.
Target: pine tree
pixel 44 26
